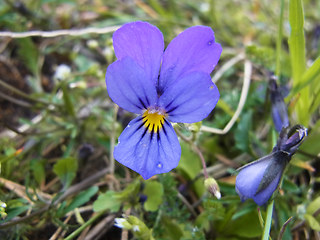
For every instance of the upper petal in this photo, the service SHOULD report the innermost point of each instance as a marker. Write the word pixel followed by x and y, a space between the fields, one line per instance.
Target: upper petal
pixel 144 43
pixel 128 86
pixel 194 49
pixel 190 99
pixel 148 152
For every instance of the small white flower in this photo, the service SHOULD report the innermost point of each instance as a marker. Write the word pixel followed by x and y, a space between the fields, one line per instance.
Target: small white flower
pixel 136 228
pixel 3 205
pixel 119 222
pixel 62 72
pixel 204 7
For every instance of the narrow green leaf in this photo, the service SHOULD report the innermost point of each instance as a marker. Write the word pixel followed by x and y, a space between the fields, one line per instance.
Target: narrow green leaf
pixel 82 198
pixel 13 212
pixel 67 100
pixel 154 191
pixel 312 221
pixel 309 77
pixel 298 58
pixel 66 169
pixel 313 206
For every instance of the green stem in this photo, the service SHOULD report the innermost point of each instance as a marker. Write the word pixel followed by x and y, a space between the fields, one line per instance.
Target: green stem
pixel 267 224
pixel 279 40
pixel 86 224
pixel 22 94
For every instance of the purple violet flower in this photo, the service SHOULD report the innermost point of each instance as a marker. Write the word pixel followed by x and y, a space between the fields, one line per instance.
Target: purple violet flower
pixel 259 179
pixel 180 91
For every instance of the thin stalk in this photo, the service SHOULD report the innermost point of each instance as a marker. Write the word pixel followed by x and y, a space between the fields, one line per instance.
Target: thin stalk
pixel 22 94
pixel 267 224
pixel 113 137
pixel 84 226
pixel 268 221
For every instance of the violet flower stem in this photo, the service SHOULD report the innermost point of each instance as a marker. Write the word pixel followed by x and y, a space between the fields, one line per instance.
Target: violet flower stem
pixel 205 173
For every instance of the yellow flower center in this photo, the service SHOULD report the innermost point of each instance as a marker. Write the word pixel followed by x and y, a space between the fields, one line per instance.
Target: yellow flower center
pixel 153 119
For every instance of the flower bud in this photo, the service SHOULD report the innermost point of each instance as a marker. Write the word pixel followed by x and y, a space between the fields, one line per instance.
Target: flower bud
pixel 212 187
pixel 259 179
pixel 278 107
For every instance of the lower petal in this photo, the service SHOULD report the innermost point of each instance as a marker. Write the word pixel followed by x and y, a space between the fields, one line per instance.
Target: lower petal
pixel 148 152
pixel 249 178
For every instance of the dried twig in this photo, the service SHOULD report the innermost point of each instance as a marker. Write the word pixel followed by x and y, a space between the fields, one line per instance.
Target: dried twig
pixel 243 97
pixel 225 67
pixel 58 33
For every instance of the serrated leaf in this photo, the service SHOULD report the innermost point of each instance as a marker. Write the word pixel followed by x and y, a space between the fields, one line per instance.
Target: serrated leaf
pixel 107 201
pixel 66 169
pixel 154 192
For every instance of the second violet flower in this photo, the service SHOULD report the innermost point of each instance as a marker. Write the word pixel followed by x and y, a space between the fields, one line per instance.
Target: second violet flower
pixel 161 86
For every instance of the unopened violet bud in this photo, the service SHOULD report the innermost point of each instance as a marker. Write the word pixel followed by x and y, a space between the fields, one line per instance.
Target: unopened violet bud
pixel 278 107
pixel 294 138
pixel 259 179
pixel 212 187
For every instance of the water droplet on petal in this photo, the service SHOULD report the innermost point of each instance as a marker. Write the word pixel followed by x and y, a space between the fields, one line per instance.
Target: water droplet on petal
pixel 159 165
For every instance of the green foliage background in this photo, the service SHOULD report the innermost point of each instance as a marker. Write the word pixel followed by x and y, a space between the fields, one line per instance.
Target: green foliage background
pixel 58 178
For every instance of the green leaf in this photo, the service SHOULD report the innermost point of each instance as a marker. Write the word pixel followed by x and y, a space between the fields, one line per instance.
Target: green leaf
pixel 154 191
pixel 241 228
pixel 66 169
pixel 172 229
pixel 242 132
pixel 309 77
pixel 29 54
pixel 129 192
pixel 298 58
pixel 13 212
pixel 82 198
pixel 67 99
pixel 37 168
pixel 107 201
pixel 313 223
pixel 313 206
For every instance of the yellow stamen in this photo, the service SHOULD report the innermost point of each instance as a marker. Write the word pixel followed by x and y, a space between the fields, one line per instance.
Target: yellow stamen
pixel 153 120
